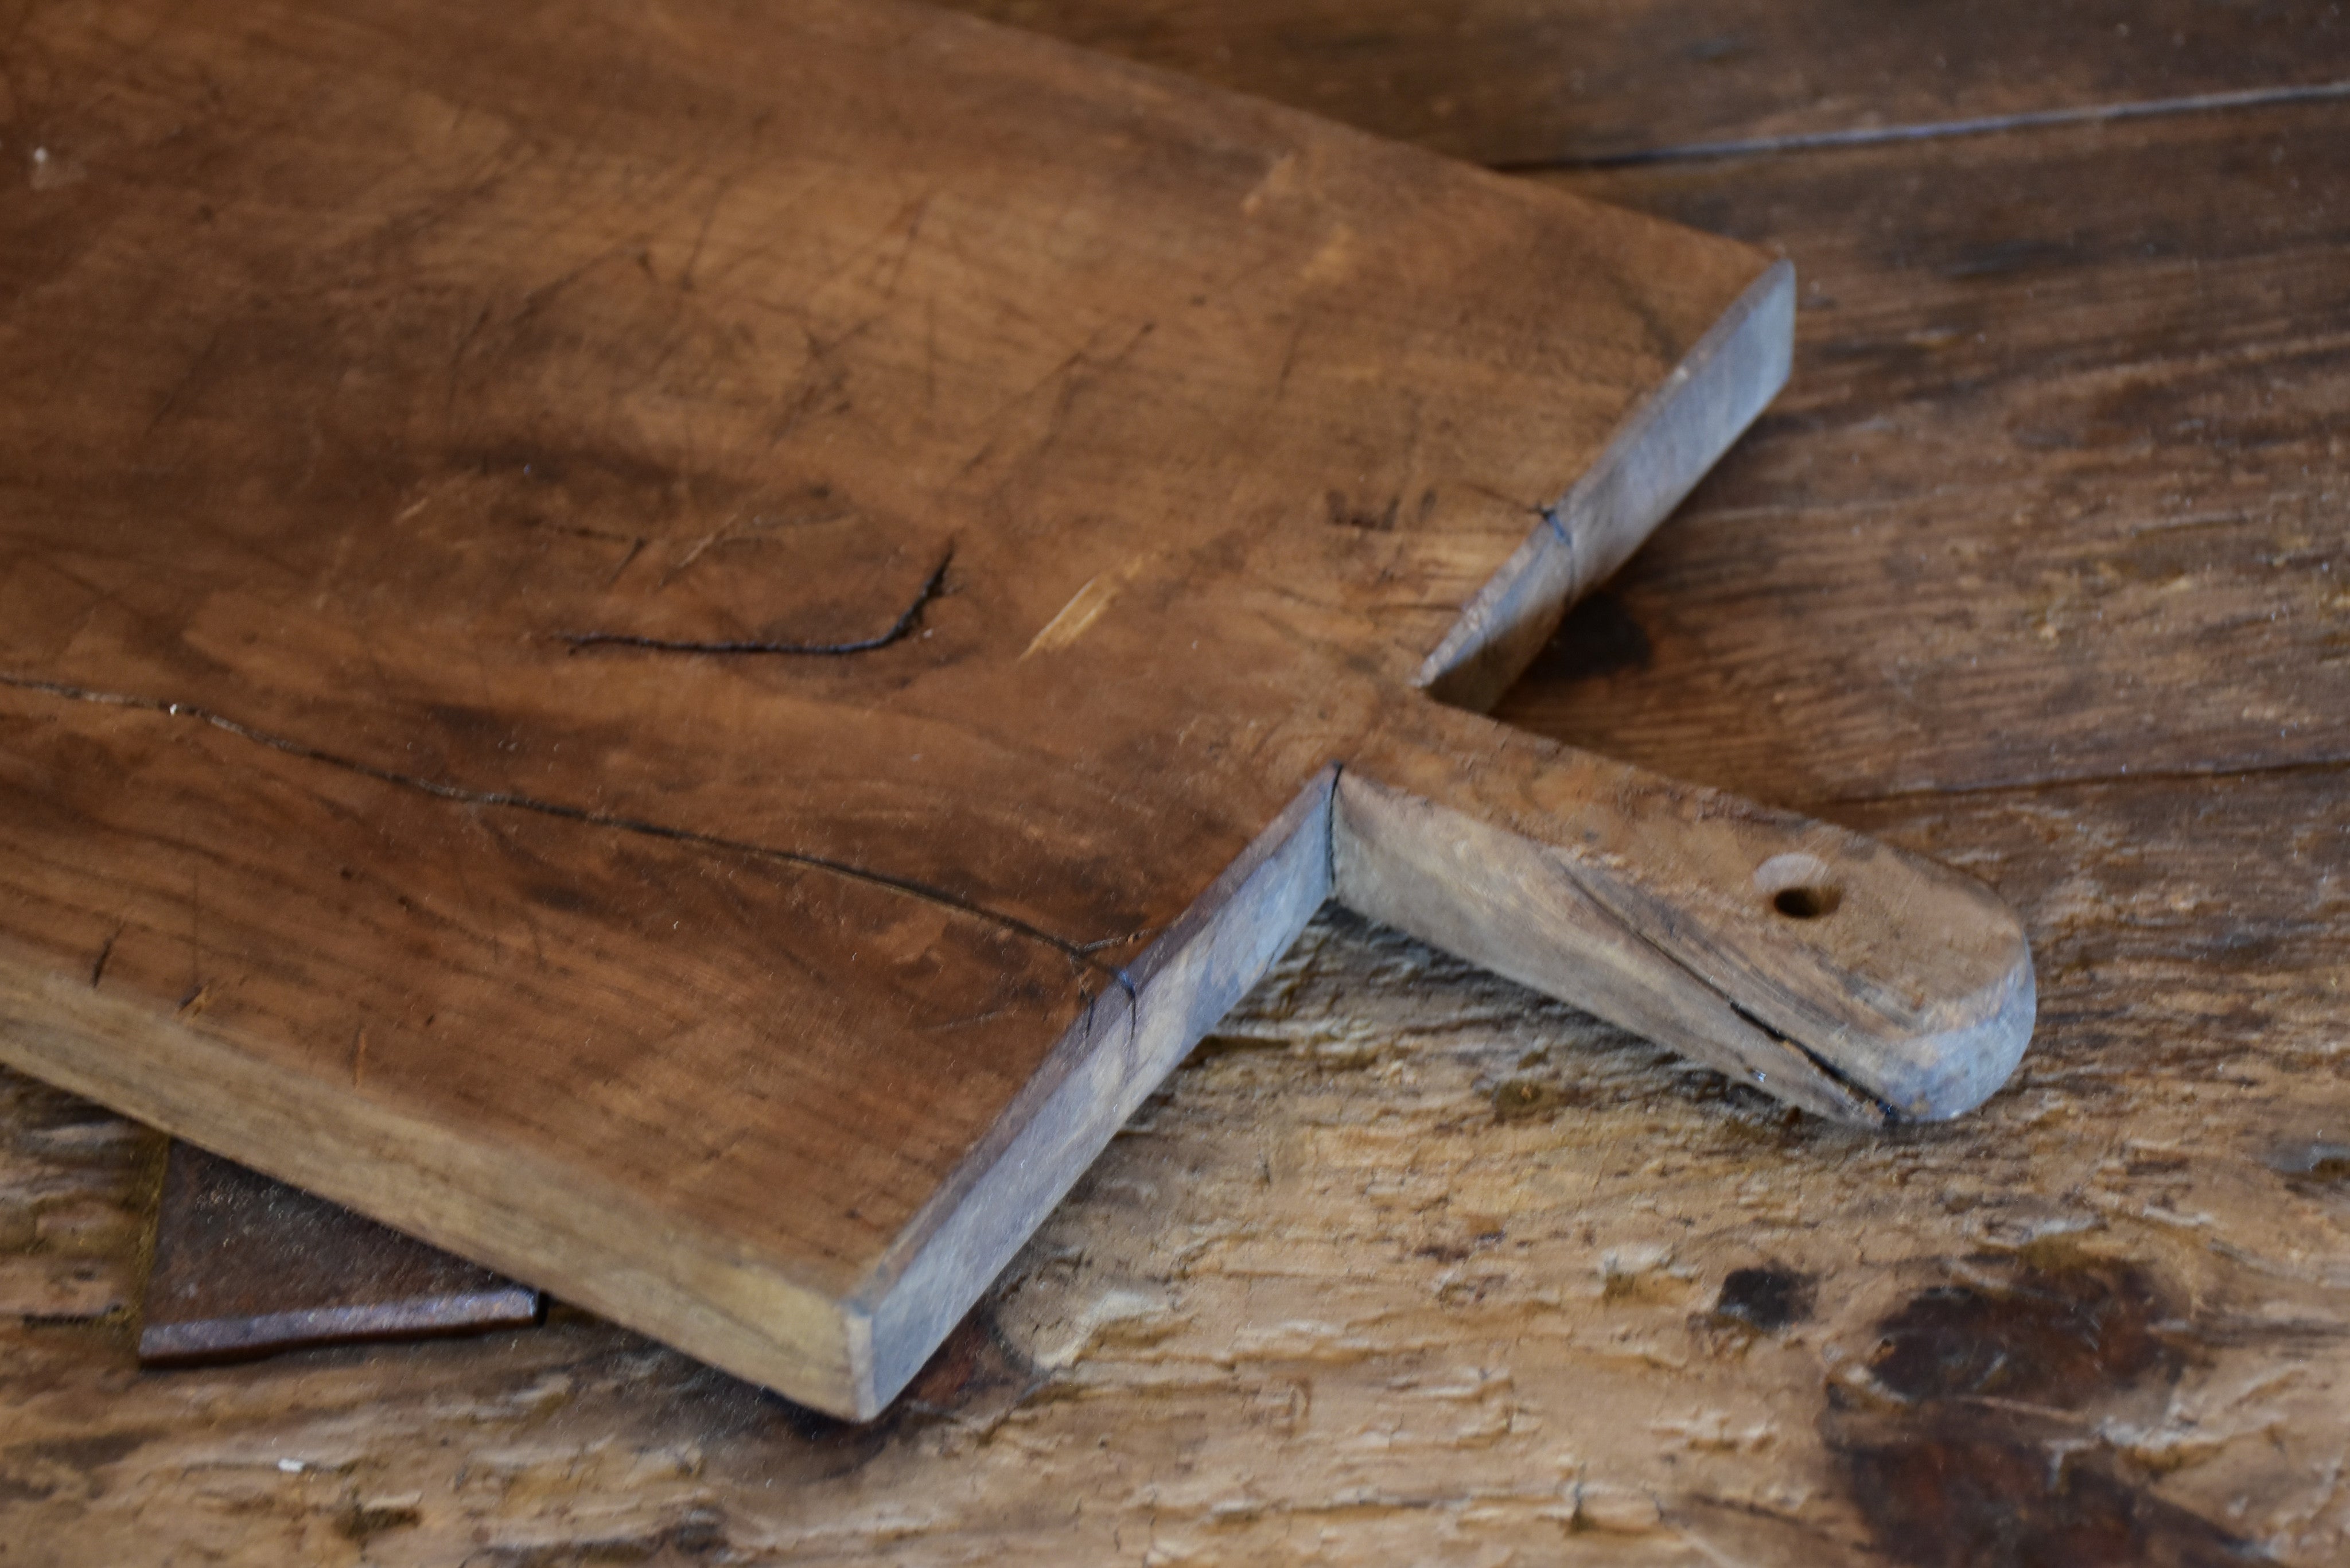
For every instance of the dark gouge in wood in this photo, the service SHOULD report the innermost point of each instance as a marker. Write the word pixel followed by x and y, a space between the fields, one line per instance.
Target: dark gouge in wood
pixel 683 646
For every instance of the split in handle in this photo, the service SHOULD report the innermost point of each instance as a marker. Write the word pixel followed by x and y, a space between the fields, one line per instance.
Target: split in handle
pixel 1838 974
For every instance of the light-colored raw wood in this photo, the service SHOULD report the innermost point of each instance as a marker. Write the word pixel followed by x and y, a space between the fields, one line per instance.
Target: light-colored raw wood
pixel 1665 908
pixel 682 650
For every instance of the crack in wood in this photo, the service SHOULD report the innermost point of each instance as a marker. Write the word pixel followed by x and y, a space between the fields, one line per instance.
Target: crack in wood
pixel 1078 952
pixel 1885 1109
pixel 2161 776
pixel 1885 1113
pixel 901 629
pixel 1943 130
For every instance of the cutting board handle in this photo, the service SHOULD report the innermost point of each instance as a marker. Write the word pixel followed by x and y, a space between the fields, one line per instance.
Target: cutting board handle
pixel 1838 973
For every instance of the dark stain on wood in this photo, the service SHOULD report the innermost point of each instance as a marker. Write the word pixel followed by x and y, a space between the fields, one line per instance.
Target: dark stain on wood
pixel 37 1471
pixel 2054 1335
pixel 1973 1457
pixel 1598 637
pixel 1769 1299
pixel 975 1375
pixel 975 1378
pixel 1366 516
pixel 364 1520
pixel 1964 1491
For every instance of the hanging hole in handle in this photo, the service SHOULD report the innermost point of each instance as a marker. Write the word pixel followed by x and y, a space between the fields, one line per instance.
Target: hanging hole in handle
pixel 1799 886
pixel 1805 903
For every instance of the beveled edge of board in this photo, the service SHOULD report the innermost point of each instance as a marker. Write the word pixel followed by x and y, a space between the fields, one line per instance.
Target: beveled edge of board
pixel 1100 1072
pixel 1669 442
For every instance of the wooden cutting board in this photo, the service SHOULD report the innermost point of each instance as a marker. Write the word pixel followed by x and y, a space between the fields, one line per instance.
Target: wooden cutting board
pixel 682 646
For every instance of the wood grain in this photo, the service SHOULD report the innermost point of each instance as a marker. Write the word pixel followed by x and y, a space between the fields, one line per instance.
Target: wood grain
pixel 2059 442
pixel 1547 81
pixel 1407 1265
pixel 584 660
pixel 1665 908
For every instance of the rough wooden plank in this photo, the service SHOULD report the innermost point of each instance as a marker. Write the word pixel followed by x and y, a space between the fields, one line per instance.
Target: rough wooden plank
pixel 1052 500
pixel 2061 443
pixel 1539 81
pixel 377 894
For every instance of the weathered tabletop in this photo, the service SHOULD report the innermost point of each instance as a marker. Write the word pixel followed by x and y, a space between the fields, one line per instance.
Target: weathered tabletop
pixel 2038 567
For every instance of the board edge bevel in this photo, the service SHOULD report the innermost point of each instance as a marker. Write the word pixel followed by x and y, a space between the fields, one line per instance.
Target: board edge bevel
pixel 1669 442
pixel 1100 1071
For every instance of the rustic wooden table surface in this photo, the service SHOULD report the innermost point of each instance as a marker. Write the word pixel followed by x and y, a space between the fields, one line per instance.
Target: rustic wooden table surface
pixel 2041 565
